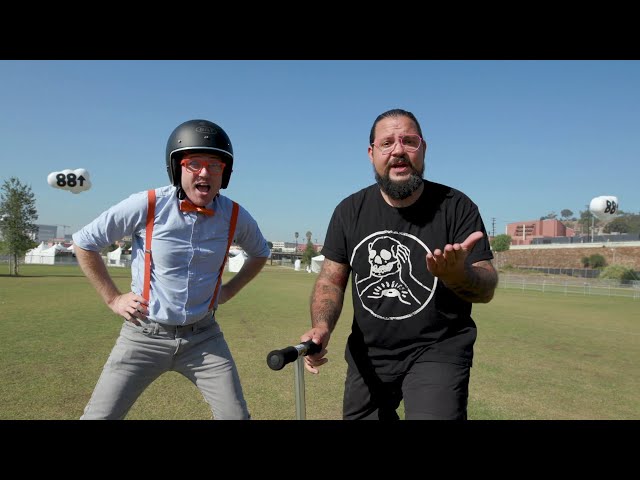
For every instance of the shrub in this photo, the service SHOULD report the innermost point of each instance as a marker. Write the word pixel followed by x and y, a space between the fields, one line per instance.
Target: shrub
pixel 501 243
pixel 597 261
pixel 618 272
pixel 594 261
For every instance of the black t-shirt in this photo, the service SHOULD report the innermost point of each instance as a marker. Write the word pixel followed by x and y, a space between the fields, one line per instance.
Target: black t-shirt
pixel 402 313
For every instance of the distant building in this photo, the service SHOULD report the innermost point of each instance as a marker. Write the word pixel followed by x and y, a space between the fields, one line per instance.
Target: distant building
pixel 523 233
pixel 290 247
pixel 46 233
pixel 284 247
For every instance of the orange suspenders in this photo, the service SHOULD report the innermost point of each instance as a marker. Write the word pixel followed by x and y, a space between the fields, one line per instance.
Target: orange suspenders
pixel 232 229
pixel 151 210
pixel 147 246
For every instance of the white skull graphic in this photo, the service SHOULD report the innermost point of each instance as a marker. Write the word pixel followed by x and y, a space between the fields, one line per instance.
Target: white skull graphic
pixel 382 256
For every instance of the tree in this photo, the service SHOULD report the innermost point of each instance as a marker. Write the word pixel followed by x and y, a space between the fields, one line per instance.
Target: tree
pixel 624 223
pixel 309 253
pixel 270 245
pixel 586 217
pixel 501 242
pixel 17 214
pixel 308 235
pixel 619 225
pixel 566 213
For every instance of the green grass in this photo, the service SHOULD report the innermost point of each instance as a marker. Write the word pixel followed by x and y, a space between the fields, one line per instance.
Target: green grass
pixel 538 356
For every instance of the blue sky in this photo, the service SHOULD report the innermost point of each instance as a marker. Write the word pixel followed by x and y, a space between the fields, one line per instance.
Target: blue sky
pixel 521 138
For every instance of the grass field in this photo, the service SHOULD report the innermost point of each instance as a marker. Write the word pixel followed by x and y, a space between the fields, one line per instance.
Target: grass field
pixel 538 356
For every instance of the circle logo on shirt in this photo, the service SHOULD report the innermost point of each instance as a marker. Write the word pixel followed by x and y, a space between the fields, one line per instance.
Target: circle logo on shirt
pixel 385 277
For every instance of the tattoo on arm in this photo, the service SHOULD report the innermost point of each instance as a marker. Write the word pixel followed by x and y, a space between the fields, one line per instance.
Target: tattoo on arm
pixel 327 296
pixel 479 285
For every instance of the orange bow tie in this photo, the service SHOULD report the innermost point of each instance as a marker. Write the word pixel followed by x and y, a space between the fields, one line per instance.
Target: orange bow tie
pixel 187 206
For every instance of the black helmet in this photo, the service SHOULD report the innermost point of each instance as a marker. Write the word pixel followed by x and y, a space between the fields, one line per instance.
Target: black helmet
pixel 198 136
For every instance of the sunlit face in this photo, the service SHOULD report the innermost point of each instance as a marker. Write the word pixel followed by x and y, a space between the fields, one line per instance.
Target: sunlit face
pixel 202 187
pixel 399 165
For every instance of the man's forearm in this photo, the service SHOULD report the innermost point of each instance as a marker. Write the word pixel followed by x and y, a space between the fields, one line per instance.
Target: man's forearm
pixel 327 296
pixel 478 285
pixel 326 305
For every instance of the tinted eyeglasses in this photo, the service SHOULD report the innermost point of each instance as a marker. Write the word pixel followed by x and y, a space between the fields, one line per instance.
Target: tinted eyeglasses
pixel 196 164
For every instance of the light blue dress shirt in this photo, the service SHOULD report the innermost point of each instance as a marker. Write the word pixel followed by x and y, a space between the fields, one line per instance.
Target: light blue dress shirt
pixel 187 249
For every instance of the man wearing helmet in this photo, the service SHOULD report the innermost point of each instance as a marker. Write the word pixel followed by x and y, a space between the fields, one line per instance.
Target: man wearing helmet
pixel 181 234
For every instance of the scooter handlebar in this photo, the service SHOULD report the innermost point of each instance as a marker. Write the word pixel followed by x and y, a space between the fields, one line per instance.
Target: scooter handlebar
pixel 277 359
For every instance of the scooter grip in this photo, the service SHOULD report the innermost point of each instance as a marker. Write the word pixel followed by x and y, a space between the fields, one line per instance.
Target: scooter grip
pixel 277 359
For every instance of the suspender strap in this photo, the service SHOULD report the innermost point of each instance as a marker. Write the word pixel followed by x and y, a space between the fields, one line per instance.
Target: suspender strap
pixel 232 229
pixel 151 194
pixel 151 208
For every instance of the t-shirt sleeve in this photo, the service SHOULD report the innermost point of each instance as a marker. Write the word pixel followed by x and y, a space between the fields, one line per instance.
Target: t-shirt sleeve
pixel 335 243
pixel 249 236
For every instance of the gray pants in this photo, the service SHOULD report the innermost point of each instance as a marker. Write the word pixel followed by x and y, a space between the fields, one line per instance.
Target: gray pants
pixel 143 353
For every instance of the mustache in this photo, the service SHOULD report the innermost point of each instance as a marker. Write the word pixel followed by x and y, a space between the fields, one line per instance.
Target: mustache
pixel 398 161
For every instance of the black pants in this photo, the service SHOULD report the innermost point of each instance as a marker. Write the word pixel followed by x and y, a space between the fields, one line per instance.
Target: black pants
pixel 431 391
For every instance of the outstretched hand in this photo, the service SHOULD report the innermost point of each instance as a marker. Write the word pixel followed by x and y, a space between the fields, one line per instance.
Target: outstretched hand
pixel 448 263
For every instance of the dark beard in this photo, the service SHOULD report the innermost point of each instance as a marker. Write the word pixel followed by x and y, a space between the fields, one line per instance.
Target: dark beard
pixel 400 190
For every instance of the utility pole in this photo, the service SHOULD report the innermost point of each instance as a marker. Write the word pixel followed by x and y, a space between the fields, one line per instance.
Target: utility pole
pixel 587 222
pixel 493 226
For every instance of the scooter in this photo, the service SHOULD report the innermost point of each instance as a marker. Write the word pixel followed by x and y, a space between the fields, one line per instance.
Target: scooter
pixel 277 359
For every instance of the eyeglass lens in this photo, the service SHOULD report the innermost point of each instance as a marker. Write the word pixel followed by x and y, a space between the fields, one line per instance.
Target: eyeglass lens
pixel 411 143
pixel 195 165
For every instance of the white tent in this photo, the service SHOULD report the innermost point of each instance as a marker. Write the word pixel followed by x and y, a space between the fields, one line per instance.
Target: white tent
pixel 35 254
pixel 316 263
pixel 113 258
pixel 43 254
pixel 60 248
pixel 37 250
pixel 236 260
